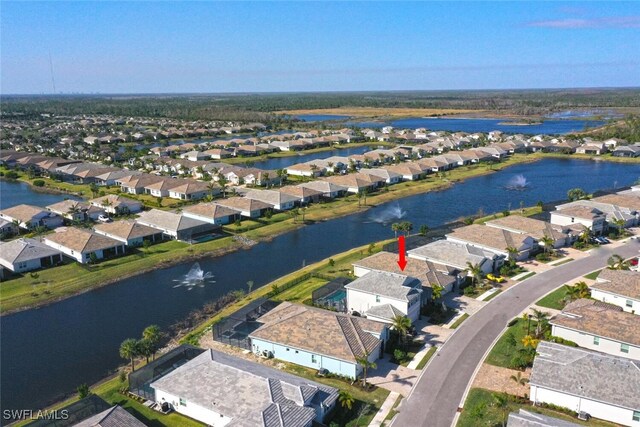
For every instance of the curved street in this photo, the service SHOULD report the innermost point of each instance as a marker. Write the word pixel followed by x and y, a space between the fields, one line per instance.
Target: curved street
pixel 438 393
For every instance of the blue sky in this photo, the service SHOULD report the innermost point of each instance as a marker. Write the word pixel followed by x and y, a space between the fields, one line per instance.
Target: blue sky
pixel 146 47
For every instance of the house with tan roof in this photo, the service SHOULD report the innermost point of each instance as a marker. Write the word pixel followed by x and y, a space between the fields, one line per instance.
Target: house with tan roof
pixel 494 239
pixel 177 225
pixel 378 288
pixel 30 217
pixel 25 254
pixel 329 190
pixel 80 244
pixel 277 200
pixel 212 212
pixel 74 210
pixel 457 255
pixel 356 183
pixel 561 235
pixel 310 169
pixel 116 204
pixel 427 272
pixel 618 287
pixel 389 176
pixel 129 232
pixel 407 171
pixel 581 213
pixel 186 189
pixel 136 184
pixel 248 208
pixel 599 326
pixel 318 339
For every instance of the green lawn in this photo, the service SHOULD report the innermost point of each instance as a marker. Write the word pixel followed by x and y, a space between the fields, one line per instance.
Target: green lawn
pixel 554 300
pixel 392 413
pixel 301 292
pixel 427 357
pixel 502 352
pixel 526 276
pixel 564 261
pixel 482 409
pixel 592 275
pixel 459 321
pixel 493 295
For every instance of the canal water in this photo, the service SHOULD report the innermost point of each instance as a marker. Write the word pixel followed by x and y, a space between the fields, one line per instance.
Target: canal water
pixel 14 193
pixel 50 351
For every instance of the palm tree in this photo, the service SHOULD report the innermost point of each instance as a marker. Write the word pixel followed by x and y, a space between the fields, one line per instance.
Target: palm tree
pixel 585 236
pixel 512 255
pixel 145 349
pixel 500 401
pixel 73 210
pixel 401 324
pixel 346 399
pixel 366 365
pixel 152 334
pixel 222 181
pixel 476 273
pixel 436 292
pixel 395 227
pixel 542 317
pixel 406 226
pixel 616 262
pixel 519 379
pixel 211 186
pixel 547 243
pixel 129 350
pixel 93 187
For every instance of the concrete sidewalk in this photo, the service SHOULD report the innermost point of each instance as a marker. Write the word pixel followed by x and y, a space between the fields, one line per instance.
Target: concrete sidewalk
pixel 387 405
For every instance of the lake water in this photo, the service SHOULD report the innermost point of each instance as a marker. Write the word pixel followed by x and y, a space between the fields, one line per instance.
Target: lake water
pixel 471 125
pixel 14 193
pixel 319 117
pixel 50 351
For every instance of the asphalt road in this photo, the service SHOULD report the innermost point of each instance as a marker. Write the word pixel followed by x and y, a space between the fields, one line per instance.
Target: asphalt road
pixel 436 396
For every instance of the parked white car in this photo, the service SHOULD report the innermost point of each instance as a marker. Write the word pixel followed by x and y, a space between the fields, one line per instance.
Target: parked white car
pixel 104 218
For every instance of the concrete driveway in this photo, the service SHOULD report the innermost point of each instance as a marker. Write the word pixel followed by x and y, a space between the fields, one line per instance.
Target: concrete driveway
pixel 393 377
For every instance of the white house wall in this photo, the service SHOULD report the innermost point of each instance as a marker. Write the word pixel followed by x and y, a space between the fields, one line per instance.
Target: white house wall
pixel 363 301
pixel 192 410
pixel 618 300
pixel 605 345
pixel 599 410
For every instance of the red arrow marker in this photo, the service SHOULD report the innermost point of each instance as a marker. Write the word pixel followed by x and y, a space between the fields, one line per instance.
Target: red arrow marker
pixel 402 261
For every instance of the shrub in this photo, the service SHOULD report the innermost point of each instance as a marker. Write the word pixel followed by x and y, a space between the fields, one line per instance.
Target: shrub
pixel 512 322
pixel 38 183
pixel 399 355
pixel 469 291
pixel 542 257
pixel 11 175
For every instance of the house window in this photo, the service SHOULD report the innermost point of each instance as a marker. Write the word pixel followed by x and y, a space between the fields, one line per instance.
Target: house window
pixel 636 415
pixel 314 359
pixel 596 340
pixel 183 402
pixel 624 348
pixel 377 298
pixel 629 303
pixel 287 349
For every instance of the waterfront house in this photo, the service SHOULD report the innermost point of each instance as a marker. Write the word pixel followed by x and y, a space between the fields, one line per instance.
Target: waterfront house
pixel 599 326
pixel 136 184
pixel 7 228
pixel 305 169
pixel 25 254
pixel 355 183
pixel 304 195
pixel 457 255
pixel 276 199
pixel 407 171
pixel 129 232
pixel 177 225
pixel 624 207
pixel 318 338
pixel 80 244
pixel 114 416
pixel 74 210
pixel 212 213
pixel 377 288
pixel 627 151
pixel 218 389
pixel 572 213
pixel 195 156
pixel 117 205
pixel 603 386
pixel 493 239
pixel 592 148
pixel 387 175
pixel 110 177
pixel 329 190
pixel 561 235
pixel 248 208
pixel 618 287
pixel 427 272
pixel 30 217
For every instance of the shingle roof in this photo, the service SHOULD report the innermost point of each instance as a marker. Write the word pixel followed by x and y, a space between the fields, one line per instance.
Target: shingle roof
pixel 126 229
pixel 81 240
pixel 587 374
pixel 112 417
pixel 24 249
pixel 601 319
pixel 324 332
pixel 250 393
pixel 495 238
pixel 391 285
pixel 620 282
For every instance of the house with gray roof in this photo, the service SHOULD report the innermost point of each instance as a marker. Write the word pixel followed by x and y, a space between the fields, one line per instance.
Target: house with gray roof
pixel 116 416
pixel 129 232
pixel 457 255
pixel 25 254
pixel 280 201
pixel 494 239
pixel 30 217
pixel 318 339
pixel 378 288
pixel 329 190
pixel 82 244
pixel 532 419
pixel 212 212
pixel 619 287
pixel 222 390
pixel 604 386
pixel 177 225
